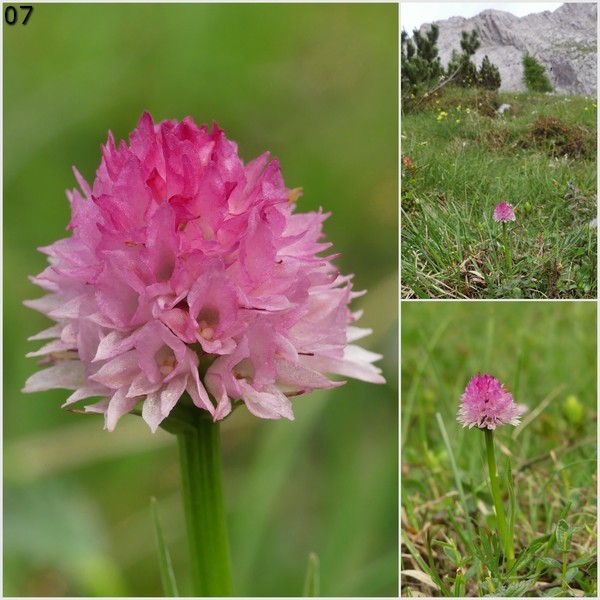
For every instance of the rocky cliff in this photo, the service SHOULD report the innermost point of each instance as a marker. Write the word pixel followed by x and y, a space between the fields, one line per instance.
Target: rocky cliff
pixel 564 41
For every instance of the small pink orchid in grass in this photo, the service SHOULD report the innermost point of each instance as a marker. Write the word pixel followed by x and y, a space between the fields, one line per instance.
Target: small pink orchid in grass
pixel 504 212
pixel 486 403
pixel 188 271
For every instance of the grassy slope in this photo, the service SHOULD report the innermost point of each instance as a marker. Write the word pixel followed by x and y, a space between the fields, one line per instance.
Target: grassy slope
pixel 540 156
pixel 546 354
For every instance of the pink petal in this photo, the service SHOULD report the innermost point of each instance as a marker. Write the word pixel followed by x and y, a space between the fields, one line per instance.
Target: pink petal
pixel 69 375
pixel 171 393
pixel 119 405
pixel 119 371
pixel 113 344
pixel 68 310
pixel 196 389
pixel 56 346
pixel 223 402
pixel 45 304
pixel 356 364
pixel 151 411
pixel 271 404
pixel 98 408
pixel 51 332
pixel 297 375
pixel 87 391
pixel 141 386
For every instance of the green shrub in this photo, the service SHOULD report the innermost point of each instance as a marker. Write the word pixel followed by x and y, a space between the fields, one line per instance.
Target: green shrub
pixel 534 75
pixel 421 68
pixel 489 76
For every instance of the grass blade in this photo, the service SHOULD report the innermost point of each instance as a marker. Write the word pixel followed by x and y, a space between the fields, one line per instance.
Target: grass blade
pixel 415 554
pixel 412 394
pixel 167 575
pixel 433 571
pixel 512 503
pixel 457 480
pixel 430 572
pixel 311 582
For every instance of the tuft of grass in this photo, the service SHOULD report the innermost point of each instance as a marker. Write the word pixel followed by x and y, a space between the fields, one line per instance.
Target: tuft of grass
pixel 546 355
pixel 539 156
pixel 560 139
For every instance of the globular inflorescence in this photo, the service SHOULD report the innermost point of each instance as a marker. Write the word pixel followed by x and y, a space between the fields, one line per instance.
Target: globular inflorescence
pixel 188 272
pixel 486 404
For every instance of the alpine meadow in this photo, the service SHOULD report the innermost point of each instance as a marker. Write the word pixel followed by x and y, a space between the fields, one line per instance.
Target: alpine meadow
pixel 474 136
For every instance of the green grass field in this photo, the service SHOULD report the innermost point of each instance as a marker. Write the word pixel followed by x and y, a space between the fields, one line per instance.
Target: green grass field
pixel 317 86
pixel 545 353
pixel 539 156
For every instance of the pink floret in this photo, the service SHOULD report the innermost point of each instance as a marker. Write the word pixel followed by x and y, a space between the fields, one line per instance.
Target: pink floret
pixel 189 272
pixel 486 403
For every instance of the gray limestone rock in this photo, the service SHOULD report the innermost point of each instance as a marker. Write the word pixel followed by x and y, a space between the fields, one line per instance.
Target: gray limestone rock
pixel 564 41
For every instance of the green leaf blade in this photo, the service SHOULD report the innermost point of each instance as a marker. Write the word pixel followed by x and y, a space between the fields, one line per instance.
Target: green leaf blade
pixel 563 536
pixel 311 582
pixel 167 575
pixel 550 562
pixel 571 574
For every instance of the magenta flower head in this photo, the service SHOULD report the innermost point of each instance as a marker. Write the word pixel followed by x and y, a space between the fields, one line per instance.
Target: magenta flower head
pixel 189 272
pixel 504 212
pixel 486 404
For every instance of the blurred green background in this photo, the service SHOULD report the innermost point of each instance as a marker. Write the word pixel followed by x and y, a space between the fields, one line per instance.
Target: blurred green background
pixel 317 85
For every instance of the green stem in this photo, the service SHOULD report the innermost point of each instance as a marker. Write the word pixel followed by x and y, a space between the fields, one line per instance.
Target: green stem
pixel 563 583
pixel 507 250
pixel 507 543
pixel 202 489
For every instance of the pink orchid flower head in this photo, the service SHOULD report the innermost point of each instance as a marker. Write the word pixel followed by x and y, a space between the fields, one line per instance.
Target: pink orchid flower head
pixel 486 403
pixel 188 272
pixel 504 212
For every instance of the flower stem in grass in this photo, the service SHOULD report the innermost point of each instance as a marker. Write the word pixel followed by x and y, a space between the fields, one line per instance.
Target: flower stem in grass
pixel 507 250
pixel 202 489
pixel 563 581
pixel 505 539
